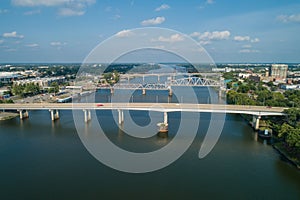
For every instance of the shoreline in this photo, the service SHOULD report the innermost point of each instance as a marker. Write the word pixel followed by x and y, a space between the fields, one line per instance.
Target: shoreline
pixel 278 148
pixel 7 115
pixel 282 152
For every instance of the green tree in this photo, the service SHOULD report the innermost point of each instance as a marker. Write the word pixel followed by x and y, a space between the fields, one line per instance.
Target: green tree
pixel 284 130
pixel 228 75
pixel 243 89
pixel 18 90
pixel 54 88
pixel 293 138
pixel 32 88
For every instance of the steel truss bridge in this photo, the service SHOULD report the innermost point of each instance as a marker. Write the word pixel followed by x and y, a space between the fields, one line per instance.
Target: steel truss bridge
pixel 178 79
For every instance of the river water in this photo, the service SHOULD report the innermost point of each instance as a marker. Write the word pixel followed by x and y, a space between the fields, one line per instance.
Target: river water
pixel 40 159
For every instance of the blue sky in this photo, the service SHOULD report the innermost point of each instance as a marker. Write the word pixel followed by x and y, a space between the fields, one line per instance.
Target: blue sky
pixel 229 30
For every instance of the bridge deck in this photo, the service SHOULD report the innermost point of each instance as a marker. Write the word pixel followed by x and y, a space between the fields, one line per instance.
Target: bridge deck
pixel 159 107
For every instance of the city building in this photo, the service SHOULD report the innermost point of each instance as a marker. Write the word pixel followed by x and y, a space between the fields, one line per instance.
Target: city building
pixel 255 78
pixel 290 87
pixel 278 71
pixel 8 77
pixel 42 82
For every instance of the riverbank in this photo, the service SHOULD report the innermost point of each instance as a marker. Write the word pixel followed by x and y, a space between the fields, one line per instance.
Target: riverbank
pixel 278 146
pixel 281 150
pixel 7 115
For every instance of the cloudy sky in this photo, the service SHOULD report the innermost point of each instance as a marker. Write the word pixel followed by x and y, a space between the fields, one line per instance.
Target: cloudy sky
pixel 229 30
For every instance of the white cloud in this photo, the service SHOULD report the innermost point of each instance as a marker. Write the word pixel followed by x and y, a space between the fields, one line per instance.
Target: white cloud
pixel 205 42
pixel 12 35
pixel 58 43
pixel 66 7
pixel 241 38
pixel 11 50
pixel 195 34
pixel 159 47
pixel 249 51
pixel 247 46
pixel 171 39
pixel 70 12
pixel 153 21
pixel 162 7
pixel 215 35
pixel 206 37
pixel 1 41
pixel 289 18
pixel 116 17
pixel 132 3
pixel 4 11
pixel 32 45
pixel 31 3
pixel 255 40
pixel 124 33
pixel 210 1
pixel 32 12
pixel 108 9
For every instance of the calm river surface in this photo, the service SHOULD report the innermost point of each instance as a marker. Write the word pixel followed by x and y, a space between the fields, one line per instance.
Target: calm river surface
pixel 44 160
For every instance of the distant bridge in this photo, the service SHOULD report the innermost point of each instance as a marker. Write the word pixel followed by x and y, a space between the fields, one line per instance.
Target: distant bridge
pixel 173 79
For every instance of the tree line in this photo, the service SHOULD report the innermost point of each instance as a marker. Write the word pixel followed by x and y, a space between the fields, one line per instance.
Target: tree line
pixel 29 89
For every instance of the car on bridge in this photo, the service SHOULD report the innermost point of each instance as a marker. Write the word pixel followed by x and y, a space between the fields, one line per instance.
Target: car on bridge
pixel 99 104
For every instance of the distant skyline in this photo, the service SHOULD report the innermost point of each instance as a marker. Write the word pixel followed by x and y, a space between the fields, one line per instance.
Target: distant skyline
pixel 248 31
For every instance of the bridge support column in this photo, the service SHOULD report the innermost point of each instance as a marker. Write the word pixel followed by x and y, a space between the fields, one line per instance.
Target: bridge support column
pixel 87 115
pixel 220 93
pixel 121 116
pixel 165 118
pixel 23 114
pixel 54 115
pixel 170 92
pixel 144 91
pixel 163 127
pixel 112 90
pixel 255 122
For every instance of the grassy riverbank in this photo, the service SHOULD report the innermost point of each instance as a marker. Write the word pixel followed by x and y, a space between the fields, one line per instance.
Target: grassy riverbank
pixel 7 115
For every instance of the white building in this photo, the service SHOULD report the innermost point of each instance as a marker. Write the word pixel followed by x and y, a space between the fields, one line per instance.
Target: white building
pixel 42 82
pixel 8 77
pixel 279 71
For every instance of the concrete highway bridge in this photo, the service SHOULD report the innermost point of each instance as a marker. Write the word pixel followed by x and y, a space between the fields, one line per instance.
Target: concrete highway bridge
pixel 256 111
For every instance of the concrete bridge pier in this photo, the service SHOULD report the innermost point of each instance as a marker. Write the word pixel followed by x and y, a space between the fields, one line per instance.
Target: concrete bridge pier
pixel 54 114
pixel 220 93
pixel 112 90
pixel 87 116
pixel 163 127
pixel 121 116
pixel 255 122
pixel 23 114
pixel 170 92
pixel 165 118
pixel 144 91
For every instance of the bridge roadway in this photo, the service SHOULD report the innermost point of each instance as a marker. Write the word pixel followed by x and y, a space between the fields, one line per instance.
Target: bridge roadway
pixel 203 74
pixel 159 107
pixel 255 111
